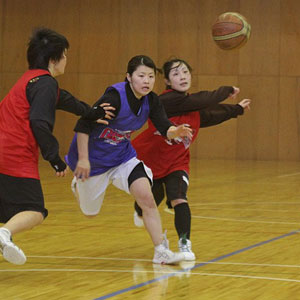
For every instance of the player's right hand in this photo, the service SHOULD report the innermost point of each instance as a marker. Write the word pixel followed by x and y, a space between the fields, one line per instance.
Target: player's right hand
pixel 236 91
pixel 245 103
pixel 83 169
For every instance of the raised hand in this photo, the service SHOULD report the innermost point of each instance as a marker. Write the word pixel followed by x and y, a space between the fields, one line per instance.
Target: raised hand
pixel 245 103
pixel 236 91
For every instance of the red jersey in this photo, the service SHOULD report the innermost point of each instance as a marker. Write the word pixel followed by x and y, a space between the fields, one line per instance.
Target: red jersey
pixel 18 147
pixel 161 155
pixel 164 156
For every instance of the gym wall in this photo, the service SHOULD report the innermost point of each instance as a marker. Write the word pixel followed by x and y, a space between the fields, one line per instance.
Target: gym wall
pixel 105 34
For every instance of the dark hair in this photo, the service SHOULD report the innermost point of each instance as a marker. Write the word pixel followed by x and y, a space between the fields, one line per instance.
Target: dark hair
pixel 140 60
pixel 167 67
pixel 44 45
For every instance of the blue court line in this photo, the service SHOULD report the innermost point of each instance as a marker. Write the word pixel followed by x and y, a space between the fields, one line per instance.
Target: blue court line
pixel 134 287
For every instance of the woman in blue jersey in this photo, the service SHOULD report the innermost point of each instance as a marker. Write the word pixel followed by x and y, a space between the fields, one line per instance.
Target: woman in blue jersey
pixel 103 154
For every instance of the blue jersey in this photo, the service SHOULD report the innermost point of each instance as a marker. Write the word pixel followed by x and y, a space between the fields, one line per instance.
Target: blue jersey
pixel 110 145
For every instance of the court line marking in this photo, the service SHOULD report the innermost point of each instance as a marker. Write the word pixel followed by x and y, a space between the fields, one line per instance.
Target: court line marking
pixel 89 258
pixel 169 211
pixel 288 175
pixel 144 260
pixel 172 273
pixel 122 291
pixel 223 203
pixel 248 209
pixel 242 276
pixel 247 221
pixel 245 203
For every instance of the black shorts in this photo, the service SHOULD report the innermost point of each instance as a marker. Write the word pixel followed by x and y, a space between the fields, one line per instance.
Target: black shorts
pixel 175 186
pixel 136 173
pixel 18 194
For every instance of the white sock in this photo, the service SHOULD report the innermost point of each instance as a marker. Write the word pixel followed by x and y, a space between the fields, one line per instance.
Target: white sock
pixel 6 231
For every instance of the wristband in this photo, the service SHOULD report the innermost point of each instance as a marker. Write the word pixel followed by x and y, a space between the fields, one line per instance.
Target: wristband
pixel 58 165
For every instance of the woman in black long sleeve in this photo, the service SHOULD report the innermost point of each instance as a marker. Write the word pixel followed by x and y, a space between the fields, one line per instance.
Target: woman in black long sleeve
pixel 27 116
pixel 169 160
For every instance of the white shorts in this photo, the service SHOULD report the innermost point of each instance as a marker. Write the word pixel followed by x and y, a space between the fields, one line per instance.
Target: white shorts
pixel 91 192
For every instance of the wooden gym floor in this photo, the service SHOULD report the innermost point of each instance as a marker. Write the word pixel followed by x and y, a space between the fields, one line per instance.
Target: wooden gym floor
pixel 245 222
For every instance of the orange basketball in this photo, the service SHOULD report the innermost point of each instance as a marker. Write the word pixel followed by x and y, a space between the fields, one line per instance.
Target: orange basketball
pixel 231 30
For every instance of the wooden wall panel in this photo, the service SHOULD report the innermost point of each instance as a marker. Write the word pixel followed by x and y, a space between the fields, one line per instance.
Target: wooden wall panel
pixel 261 55
pixel 99 36
pixel 105 34
pixel 289 119
pixel 258 133
pixel 216 141
pixel 20 17
pixel 177 30
pixel 1 34
pixel 290 42
pixel 7 82
pixel 138 30
pixel 93 86
pixel 211 59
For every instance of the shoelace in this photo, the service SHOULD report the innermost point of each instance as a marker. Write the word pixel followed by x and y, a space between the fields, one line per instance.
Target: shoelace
pixel 184 246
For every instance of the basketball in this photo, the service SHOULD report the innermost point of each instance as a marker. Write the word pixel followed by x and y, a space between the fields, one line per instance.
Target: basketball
pixel 231 31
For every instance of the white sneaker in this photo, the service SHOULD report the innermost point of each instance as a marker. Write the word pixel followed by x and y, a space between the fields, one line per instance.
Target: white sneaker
pixel 162 255
pixel 138 221
pixel 165 241
pixel 9 250
pixel 185 247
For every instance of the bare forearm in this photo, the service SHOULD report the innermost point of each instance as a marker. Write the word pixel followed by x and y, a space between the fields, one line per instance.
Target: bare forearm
pixel 82 144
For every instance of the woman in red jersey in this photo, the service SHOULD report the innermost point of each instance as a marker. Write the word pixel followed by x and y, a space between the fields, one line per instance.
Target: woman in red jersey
pixel 27 116
pixel 169 160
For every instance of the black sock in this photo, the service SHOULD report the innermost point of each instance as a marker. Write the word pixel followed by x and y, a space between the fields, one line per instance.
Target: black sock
pixel 183 220
pixel 138 209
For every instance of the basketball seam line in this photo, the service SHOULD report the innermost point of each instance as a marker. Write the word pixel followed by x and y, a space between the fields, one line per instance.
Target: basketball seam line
pixel 245 30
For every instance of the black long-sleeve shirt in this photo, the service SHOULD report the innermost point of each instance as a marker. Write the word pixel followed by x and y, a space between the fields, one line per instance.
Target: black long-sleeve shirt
pixel 156 110
pixel 206 102
pixel 42 95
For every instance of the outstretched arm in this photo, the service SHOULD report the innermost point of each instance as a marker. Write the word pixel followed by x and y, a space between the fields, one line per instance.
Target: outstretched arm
pixel 100 113
pixel 222 112
pixel 176 103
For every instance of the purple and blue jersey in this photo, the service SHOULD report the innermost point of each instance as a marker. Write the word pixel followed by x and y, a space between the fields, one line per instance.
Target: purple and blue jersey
pixel 110 145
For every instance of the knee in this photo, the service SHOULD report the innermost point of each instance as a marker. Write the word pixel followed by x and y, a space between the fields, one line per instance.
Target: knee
pixel 147 202
pixel 177 202
pixel 39 217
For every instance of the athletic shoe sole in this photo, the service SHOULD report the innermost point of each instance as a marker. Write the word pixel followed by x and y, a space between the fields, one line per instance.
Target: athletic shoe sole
pixel 14 255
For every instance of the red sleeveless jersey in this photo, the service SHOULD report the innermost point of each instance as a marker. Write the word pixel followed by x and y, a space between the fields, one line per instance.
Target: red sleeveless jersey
pixel 18 147
pixel 161 155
